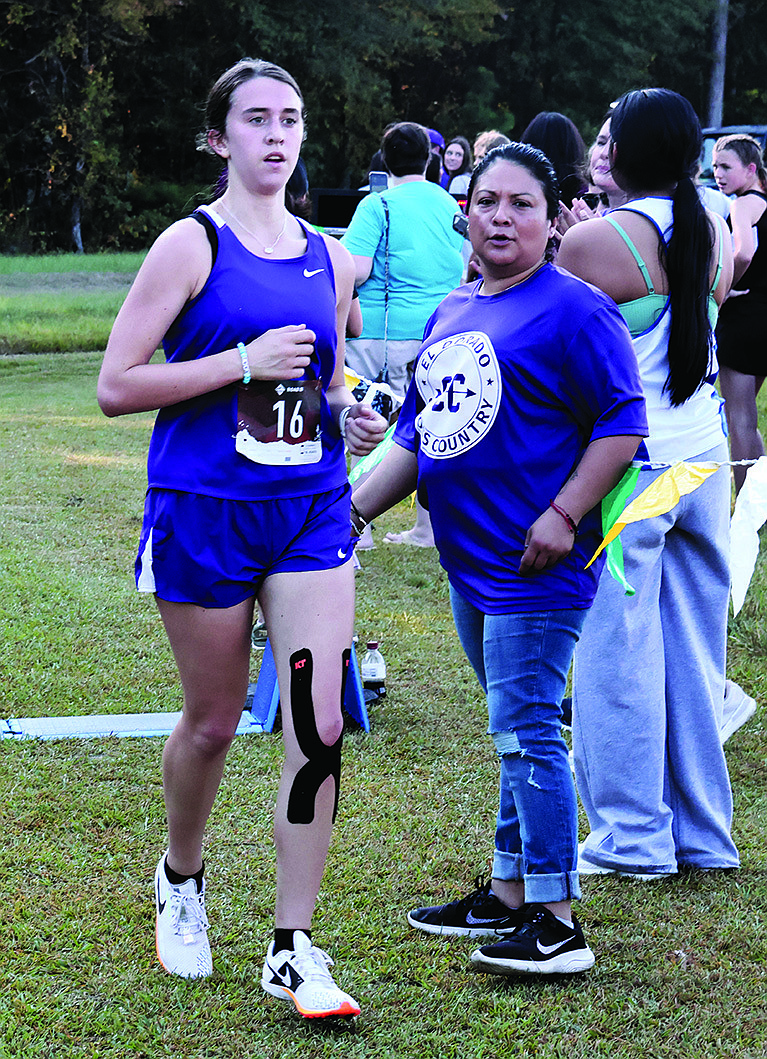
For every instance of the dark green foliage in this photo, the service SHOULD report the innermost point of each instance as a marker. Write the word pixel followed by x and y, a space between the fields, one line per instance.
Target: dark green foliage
pixel 101 100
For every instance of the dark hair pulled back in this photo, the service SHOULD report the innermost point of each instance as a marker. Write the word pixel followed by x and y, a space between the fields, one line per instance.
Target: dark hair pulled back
pixel 531 159
pixel 405 148
pixel 219 101
pixel 657 137
pixel 559 139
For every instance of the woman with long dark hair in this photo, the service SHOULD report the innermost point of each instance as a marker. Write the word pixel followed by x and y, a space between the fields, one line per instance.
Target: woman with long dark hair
pixel 524 410
pixel 649 676
pixel 248 500
pixel 557 136
pixel 457 165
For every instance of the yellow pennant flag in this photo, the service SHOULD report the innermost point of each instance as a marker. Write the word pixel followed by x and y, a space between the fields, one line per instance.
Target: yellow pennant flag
pixel 351 377
pixel 658 498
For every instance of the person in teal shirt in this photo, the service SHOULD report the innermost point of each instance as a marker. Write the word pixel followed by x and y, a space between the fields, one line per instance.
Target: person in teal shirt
pixel 407 258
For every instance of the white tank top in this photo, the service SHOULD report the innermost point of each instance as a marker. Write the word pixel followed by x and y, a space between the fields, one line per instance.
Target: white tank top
pixel 682 431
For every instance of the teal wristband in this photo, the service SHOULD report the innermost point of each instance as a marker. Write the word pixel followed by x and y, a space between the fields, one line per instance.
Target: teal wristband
pixel 245 365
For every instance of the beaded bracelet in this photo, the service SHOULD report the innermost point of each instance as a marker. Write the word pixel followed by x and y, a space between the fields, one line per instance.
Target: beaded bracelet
pixel 245 363
pixel 570 523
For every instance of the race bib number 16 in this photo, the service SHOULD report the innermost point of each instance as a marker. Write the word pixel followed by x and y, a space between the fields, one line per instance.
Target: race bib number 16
pixel 279 423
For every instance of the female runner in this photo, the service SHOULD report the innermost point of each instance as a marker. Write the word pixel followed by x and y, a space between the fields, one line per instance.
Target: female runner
pixel 739 170
pixel 248 499
pixel 524 410
pixel 650 668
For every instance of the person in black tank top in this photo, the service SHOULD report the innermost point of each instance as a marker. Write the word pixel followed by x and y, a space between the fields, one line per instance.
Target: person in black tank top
pixel 253 505
pixel 741 343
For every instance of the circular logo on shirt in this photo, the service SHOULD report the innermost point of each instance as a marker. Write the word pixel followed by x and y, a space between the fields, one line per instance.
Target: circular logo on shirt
pixel 460 382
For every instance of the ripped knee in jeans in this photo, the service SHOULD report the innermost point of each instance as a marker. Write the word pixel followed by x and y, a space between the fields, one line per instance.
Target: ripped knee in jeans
pixel 507 744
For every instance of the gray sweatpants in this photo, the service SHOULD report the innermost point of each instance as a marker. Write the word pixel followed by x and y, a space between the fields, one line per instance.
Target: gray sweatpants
pixel 649 689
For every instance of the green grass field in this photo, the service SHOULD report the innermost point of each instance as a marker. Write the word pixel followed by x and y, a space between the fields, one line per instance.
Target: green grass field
pixel 61 264
pixel 61 302
pixel 681 964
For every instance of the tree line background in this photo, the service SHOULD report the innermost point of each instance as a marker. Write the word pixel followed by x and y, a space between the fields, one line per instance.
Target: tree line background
pixel 101 100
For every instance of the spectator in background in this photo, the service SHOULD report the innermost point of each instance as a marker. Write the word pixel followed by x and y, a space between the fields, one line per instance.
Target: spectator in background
pixel 297 198
pixel 407 257
pixel 603 193
pixel 376 166
pixel 649 673
pixel 739 170
pixel 486 141
pixel 563 145
pixel 457 166
pixel 434 170
pixel 437 141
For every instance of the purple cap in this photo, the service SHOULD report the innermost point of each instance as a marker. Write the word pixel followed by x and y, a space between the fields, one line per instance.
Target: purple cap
pixel 436 138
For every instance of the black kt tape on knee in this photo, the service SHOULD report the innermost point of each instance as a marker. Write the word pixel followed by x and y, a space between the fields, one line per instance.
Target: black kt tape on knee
pixel 323 760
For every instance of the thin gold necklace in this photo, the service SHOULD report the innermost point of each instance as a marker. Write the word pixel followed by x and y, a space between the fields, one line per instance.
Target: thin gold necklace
pixel 267 249
pixel 515 281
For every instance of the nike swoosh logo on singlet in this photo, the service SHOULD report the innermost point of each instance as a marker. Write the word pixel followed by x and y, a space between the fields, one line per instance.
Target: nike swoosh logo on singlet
pixel 316 272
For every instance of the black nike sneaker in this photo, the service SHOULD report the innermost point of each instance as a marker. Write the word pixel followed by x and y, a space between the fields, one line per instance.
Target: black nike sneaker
pixel 541 945
pixel 478 914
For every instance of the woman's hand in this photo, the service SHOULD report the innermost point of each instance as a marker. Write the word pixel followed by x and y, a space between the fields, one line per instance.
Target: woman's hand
pixel 282 353
pixel 364 429
pixel 548 540
pixel 569 217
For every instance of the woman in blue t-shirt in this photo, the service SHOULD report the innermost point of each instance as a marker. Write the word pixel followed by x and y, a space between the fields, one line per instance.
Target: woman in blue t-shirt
pixel 524 410
pixel 248 498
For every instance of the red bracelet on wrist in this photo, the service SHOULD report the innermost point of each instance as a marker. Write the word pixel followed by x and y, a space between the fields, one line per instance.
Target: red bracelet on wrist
pixel 561 511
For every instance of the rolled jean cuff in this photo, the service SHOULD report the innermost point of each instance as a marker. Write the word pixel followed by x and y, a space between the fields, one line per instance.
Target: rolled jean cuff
pixel 543 889
pixel 508 866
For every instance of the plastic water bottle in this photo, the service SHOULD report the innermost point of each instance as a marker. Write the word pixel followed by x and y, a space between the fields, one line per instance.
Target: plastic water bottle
pixel 373 673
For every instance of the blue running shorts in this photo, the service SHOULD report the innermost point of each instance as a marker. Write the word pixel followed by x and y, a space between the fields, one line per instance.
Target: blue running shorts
pixel 216 553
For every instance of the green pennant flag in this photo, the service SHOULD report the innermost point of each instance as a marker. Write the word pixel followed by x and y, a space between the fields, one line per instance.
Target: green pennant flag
pixel 367 463
pixel 612 507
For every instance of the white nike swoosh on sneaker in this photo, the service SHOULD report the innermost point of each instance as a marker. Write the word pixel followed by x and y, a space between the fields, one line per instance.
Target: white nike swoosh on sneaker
pixel 316 272
pixel 472 920
pixel 287 977
pixel 547 950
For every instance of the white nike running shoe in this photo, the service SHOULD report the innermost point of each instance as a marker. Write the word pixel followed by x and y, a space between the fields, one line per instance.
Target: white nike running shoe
pixel 181 932
pixel 303 977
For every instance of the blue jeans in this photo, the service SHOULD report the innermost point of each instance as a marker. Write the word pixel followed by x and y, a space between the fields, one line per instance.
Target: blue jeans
pixel 522 661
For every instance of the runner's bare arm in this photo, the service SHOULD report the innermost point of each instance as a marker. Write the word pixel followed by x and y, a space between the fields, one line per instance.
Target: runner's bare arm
pixel 173 272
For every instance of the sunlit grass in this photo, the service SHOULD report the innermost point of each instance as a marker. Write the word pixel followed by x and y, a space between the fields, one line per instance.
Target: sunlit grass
pixel 57 323
pixel 22 263
pixel 681 965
